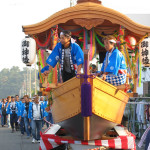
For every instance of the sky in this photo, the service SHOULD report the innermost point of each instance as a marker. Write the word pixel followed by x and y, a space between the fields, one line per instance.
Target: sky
pixel 16 13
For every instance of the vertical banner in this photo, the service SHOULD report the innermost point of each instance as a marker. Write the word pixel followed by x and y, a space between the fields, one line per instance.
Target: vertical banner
pixel 144 49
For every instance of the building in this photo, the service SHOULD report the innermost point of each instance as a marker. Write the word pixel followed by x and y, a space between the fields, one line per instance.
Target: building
pixel 146 88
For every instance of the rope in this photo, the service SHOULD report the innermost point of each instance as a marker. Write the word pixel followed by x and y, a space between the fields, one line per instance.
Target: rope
pixel 50 125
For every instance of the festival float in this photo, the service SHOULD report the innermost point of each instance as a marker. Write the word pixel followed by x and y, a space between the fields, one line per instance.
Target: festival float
pixel 87 107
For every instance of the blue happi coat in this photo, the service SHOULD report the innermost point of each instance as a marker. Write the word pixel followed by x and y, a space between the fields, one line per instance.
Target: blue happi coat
pixel 23 112
pixel 56 55
pixel 30 114
pixel 45 105
pixel 17 108
pixel 116 62
pixel 19 104
pixel 0 107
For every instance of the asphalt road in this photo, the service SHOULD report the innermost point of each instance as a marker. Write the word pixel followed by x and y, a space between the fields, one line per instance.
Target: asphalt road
pixel 14 141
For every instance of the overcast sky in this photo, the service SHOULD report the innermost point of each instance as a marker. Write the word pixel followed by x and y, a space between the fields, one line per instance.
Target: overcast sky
pixel 15 13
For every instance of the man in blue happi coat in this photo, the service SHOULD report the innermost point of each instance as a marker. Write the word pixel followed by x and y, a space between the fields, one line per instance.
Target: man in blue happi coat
pixel 68 54
pixel 12 109
pixel 36 115
pixel 114 67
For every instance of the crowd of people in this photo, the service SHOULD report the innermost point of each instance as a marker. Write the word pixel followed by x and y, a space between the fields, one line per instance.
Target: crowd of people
pixel 25 115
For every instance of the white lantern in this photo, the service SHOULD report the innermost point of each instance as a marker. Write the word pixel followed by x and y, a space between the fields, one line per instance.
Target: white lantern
pixel 28 51
pixel 144 49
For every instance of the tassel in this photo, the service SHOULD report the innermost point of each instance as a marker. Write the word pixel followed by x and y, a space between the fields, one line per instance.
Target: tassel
pixel 86 96
pixel 86 100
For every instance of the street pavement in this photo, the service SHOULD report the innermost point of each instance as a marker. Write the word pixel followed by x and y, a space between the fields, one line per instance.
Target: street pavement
pixel 14 141
pixel 137 148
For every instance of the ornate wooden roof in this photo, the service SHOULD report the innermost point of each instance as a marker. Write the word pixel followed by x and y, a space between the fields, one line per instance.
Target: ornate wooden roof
pixel 88 15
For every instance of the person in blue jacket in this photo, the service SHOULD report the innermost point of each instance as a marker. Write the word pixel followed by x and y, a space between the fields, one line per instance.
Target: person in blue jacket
pixel 68 54
pixel 24 115
pixel 12 109
pixel 114 67
pixel 8 115
pixel 48 115
pixel 3 112
pixel 36 115
pixel 17 100
pixel 0 108
pixel 21 117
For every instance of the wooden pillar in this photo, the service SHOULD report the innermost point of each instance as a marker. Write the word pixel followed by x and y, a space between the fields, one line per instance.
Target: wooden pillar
pixel 135 82
pixel 86 119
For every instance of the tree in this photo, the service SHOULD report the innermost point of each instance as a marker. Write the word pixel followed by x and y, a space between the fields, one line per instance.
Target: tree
pixel 11 81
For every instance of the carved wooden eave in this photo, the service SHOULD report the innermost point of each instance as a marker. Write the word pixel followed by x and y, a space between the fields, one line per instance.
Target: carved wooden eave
pixel 87 11
pixel 88 23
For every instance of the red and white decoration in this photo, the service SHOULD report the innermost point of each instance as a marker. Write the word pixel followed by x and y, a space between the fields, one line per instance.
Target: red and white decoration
pixel 28 51
pixel 144 49
pixel 50 141
pixel 131 42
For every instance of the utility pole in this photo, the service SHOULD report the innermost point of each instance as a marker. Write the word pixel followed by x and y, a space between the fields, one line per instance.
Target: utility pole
pixel 72 2
pixel 20 93
pixel 30 82
pixel 24 86
pixel 35 77
pixel 27 85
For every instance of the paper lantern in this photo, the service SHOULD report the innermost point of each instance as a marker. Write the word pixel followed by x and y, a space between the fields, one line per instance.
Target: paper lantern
pixel 144 49
pixel 131 41
pixel 28 51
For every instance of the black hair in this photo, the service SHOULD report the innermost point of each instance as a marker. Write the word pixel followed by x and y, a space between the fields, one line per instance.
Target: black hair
pixel 94 66
pixel 66 33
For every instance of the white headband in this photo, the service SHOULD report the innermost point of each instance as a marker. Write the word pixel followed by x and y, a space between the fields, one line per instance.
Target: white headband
pixel 61 33
pixel 112 41
pixel 67 35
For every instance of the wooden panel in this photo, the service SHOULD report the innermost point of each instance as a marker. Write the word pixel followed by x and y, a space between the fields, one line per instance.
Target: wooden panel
pixel 107 107
pixel 66 87
pixel 108 102
pixel 67 105
pixel 110 89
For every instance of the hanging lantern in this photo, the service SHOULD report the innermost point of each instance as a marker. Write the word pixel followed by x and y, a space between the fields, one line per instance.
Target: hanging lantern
pixel 131 42
pixel 28 51
pixel 144 49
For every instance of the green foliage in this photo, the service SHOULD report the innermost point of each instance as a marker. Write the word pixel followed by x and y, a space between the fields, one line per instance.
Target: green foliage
pixel 144 69
pixel 147 95
pixel 11 80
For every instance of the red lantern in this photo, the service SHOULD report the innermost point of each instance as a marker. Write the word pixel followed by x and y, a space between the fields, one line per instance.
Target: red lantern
pixel 131 42
pixel 48 89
